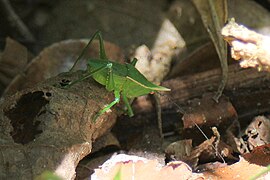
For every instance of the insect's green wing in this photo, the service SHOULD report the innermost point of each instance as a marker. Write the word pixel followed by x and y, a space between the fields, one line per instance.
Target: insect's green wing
pixel 102 76
pixel 137 85
pixel 112 77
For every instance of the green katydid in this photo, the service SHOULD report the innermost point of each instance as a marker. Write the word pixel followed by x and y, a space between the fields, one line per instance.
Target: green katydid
pixel 124 79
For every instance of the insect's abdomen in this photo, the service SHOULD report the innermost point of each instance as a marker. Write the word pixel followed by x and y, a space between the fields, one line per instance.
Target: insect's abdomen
pixel 138 85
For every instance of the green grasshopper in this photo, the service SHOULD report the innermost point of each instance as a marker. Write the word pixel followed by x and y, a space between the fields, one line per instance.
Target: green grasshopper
pixel 123 79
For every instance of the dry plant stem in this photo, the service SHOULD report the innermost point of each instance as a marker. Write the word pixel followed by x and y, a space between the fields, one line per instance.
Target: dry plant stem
pixel 15 21
pixel 220 47
pixel 49 128
pixel 214 15
pixel 158 109
pixel 261 173
pixel 251 48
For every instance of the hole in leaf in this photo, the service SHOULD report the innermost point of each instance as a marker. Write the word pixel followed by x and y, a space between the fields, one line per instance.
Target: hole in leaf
pixel 255 136
pixel 65 82
pixel 48 94
pixel 22 116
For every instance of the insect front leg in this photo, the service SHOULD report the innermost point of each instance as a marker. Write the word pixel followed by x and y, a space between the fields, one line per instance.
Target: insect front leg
pixel 116 100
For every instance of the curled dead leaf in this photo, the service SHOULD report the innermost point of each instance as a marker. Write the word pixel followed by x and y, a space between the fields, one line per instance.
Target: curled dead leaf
pixel 56 59
pixel 13 59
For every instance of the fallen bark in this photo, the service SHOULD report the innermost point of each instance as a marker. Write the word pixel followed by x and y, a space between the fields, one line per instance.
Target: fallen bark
pixel 242 84
pixel 188 87
pixel 248 46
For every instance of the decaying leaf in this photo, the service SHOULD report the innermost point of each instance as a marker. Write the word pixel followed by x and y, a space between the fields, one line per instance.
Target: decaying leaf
pixel 134 167
pixel 106 140
pixel 206 113
pixel 49 128
pixel 56 59
pixel 260 155
pixel 213 149
pixel 256 134
pixel 46 127
pixel 13 60
pixel 179 149
pixel 240 170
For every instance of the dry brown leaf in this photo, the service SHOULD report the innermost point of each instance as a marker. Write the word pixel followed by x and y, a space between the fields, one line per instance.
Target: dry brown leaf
pixel 46 127
pixel 205 112
pixel 258 132
pixel 260 155
pixel 242 170
pixel 133 167
pixel 56 59
pixel 49 128
pixel 13 60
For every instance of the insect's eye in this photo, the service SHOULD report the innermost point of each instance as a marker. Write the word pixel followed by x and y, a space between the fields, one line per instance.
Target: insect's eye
pixel 65 82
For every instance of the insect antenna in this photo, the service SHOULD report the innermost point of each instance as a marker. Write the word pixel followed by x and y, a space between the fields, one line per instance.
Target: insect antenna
pixel 182 111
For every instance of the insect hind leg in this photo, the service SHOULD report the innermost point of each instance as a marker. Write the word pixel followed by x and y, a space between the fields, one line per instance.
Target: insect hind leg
pixel 102 53
pixel 88 75
pixel 129 109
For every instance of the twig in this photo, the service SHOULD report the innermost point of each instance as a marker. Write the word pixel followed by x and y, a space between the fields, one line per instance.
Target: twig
pixel 15 21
